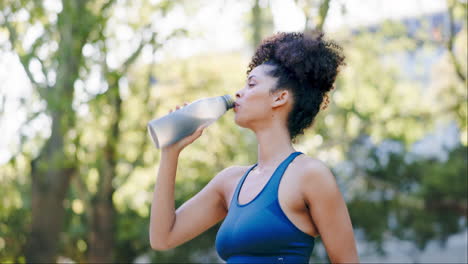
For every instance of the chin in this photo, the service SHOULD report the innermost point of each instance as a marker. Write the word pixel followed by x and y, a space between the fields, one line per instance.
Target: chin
pixel 240 122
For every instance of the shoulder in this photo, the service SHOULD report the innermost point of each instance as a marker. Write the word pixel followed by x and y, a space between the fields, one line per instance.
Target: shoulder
pixel 226 180
pixel 228 176
pixel 315 176
pixel 231 172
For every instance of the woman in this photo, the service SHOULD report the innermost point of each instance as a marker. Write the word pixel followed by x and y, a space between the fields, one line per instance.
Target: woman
pixel 275 208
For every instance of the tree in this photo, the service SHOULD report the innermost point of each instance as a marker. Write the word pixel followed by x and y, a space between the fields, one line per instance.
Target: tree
pixel 77 24
pixel 452 5
pixel 315 14
pixel 260 22
pixel 51 173
pixel 407 195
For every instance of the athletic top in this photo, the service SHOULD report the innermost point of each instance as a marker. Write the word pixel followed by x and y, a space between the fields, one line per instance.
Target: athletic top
pixel 259 231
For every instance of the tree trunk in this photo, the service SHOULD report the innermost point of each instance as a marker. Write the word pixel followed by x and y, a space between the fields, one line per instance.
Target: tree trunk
pixel 50 181
pixel 256 24
pixel 319 19
pixel 101 236
pixel 323 12
pixel 52 170
pixel 102 229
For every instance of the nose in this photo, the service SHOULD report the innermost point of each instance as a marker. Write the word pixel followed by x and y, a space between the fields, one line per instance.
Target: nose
pixel 238 94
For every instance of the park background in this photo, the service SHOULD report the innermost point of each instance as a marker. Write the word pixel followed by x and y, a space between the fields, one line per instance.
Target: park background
pixel 80 79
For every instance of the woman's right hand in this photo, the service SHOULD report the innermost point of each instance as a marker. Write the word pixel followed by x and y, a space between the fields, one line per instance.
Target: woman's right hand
pixel 181 144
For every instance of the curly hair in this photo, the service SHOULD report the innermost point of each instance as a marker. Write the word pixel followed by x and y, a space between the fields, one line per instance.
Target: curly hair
pixel 306 65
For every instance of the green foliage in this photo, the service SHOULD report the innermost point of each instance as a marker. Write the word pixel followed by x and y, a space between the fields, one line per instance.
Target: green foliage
pixel 417 201
pixel 14 210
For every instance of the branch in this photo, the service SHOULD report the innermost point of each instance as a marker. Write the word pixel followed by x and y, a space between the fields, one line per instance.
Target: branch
pixel 323 12
pixel 38 42
pixel 106 5
pixel 25 59
pixel 22 138
pixel 131 59
pixel 146 102
pixel 459 207
pixel 13 38
pixel 82 193
pixel 321 16
pixel 450 42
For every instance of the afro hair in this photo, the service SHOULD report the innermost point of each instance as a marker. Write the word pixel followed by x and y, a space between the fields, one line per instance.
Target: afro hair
pixel 305 64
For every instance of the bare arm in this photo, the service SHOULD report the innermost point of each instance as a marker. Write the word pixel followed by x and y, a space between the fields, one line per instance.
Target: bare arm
pixel 328 210
pixel 170 228
pixel 162 208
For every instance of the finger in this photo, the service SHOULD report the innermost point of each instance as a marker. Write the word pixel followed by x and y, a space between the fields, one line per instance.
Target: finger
pixel 200 131
pixel 200 128
pixel 204 126
pixel 196 134
pixel 191 138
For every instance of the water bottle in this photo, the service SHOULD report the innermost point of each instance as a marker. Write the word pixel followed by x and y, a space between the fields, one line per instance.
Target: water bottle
pixel 183 122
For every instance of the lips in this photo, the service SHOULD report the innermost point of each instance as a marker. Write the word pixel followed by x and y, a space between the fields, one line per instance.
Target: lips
pixel 236 106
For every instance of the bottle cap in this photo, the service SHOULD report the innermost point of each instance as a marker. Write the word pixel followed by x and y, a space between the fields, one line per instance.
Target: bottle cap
pixel 229 101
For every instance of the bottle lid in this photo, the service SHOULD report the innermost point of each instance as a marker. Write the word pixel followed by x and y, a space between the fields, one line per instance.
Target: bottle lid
pixel 229 101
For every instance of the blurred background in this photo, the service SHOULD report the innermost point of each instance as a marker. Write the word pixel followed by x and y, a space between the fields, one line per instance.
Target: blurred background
pixel 80 79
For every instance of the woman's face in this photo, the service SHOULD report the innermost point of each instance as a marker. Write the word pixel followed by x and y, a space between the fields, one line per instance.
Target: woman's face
pixel 254 101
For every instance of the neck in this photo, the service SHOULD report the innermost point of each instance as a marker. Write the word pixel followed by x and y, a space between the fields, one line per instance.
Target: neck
pixel 274 145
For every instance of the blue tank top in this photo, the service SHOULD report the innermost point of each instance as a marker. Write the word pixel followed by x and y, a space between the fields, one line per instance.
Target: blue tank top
pixel 259 231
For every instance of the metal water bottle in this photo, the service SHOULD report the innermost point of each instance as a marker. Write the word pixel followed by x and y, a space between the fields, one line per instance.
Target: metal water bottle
pixel 183 122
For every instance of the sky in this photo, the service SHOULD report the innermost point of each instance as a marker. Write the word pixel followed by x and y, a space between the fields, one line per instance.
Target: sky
pixel 226 34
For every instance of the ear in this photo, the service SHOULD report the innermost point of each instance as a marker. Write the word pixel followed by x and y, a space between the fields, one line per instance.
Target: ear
pixel 280 98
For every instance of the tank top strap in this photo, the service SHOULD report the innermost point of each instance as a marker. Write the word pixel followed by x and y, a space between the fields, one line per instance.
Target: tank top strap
pixel 278 174
pixel 239 184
